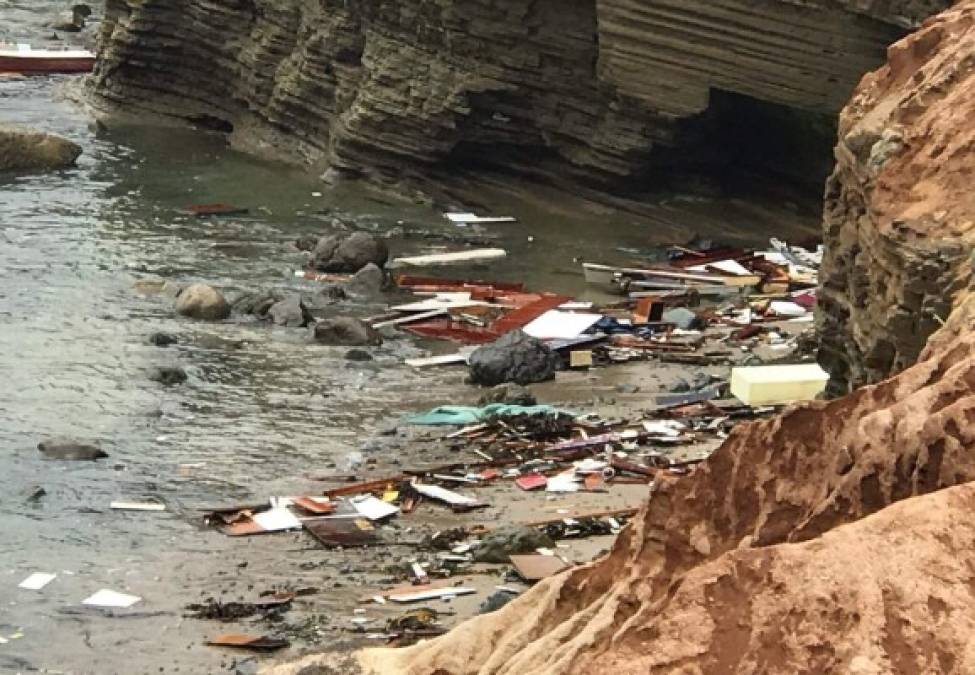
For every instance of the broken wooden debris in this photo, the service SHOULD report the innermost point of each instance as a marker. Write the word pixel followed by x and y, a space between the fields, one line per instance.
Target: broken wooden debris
pixel 537 567
pixel 245 641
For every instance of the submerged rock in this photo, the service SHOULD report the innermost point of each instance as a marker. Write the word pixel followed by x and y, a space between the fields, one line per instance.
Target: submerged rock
pixel 257 303
pixel 200 301
pixel 68 449
pixel 161 339
pixel 515 357
pixel 23 149
pixel 358 355
pixel 168 375
pixel 346 331
pixel 348 253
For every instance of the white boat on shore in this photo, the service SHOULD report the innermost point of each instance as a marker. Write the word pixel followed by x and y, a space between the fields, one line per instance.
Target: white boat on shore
pixel 25 60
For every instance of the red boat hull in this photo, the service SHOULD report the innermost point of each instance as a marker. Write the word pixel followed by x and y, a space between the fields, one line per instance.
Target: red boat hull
pixel 36 65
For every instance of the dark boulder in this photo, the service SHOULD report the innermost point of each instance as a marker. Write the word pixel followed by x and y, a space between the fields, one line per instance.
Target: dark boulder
pixel 346 331
pixel 358 355
pixel 168 375
pixel 257 303
pixel 161 339
pixel 497 546
pixel 290 312
pixel 515 357
pixel 307 243
pixel 370 280
pixel 63 448
pixel 348 253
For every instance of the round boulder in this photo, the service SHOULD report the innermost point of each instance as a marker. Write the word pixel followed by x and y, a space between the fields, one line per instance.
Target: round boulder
pixel 515 357
pixel 348 253
pixel 23 149
pixel 346 331
pixel 200 301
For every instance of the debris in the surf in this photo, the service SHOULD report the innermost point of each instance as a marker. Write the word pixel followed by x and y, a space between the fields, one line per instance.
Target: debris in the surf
pixel 37 581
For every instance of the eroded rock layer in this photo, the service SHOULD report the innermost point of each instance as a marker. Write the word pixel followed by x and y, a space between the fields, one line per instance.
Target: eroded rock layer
pixel 900 211
pixel 580 92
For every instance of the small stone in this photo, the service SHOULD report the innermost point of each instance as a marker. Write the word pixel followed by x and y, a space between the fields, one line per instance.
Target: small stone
pixel 358 355
pixel 161 339
pixel 168 375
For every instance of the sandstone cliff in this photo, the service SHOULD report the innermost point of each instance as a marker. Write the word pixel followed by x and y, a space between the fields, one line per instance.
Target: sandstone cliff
pixel 899 222
pixel 582 93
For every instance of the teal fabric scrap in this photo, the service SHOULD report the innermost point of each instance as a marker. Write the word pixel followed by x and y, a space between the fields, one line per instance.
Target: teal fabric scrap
pixel 463 415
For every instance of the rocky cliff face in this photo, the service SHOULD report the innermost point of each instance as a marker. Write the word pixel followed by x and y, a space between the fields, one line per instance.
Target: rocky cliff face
pixel 583 93
pixel 899 223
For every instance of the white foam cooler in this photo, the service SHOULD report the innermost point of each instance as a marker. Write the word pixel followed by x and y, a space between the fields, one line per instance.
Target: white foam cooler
pixel 770 385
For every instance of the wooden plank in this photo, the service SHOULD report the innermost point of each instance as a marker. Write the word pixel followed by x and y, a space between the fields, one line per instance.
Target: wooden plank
pixel 522 316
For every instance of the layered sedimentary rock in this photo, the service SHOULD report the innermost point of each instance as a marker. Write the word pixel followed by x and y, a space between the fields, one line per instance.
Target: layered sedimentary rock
pixel 900 211
pixel 580 92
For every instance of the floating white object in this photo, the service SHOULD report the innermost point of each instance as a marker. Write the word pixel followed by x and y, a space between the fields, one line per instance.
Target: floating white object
pixel 449 301
pixel 442 360
pixel 277 519
pixel 109 598
pixel 37 581
pixel 471 218
pixel 474 255
pixel 410 318
pixel 560 325
pixel 374 508
pixel 137 506
pixel 444 495
pixel 785 308
pixel 770 385
pixel 432 594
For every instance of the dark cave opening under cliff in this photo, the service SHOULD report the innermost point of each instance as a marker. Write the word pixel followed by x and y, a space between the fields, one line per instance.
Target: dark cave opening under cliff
pixel 740 141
